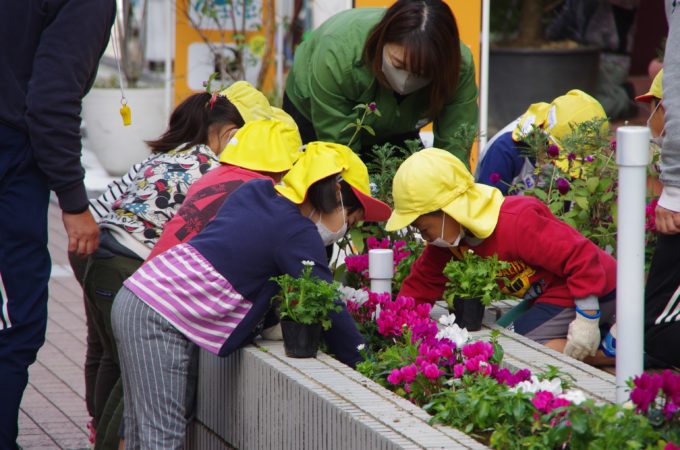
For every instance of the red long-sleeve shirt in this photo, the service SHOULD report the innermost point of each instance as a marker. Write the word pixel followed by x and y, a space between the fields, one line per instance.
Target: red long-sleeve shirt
pixel 550 261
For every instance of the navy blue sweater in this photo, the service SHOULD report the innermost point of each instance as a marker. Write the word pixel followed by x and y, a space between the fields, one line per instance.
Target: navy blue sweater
pixel 49 54
pixel 256 235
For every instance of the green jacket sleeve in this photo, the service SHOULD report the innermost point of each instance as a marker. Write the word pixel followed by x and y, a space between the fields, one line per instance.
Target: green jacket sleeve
pixel 457 125
pixel 331 84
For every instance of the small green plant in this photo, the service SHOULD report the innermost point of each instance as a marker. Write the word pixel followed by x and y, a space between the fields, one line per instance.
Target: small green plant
pixel 365 110
pixel 307 299
pixel 473 276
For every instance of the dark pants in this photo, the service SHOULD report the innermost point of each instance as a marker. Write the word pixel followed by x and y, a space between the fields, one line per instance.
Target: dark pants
pixel 662 303
pixel 103 279
pixel 93 352
pixel 24 271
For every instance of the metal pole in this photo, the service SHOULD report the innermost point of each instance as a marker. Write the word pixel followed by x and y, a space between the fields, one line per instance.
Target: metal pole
pixel 279 49
pixel 484 77
pixel 169 47
pixel 632 157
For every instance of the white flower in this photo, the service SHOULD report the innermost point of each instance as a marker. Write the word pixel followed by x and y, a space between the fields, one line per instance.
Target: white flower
pixel 307 262
pixel 358 296
pixel 575 396
pixel 470 250
pixel 360 347
pixel 447 319
pixel 553 386
pixel 455 334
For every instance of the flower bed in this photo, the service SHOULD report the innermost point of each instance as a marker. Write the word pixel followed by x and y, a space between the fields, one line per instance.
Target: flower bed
pixel 464 384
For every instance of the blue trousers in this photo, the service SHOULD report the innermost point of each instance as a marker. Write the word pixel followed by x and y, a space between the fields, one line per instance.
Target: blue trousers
pixel 24 271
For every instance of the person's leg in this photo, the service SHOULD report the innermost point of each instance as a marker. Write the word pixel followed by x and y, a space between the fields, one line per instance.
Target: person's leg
pixel 107 433
pixel 155 360
pixel 103 280
pixel 305 127
pixel 93 351
pixel 662 301
pixel 24 273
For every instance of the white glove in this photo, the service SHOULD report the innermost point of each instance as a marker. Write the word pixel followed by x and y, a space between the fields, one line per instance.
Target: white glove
pixel 583 337
pixel 272 333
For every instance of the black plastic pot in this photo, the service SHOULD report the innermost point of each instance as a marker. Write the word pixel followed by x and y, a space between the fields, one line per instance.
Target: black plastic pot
pixel 519 77
pixel 469 313
pixel 299 340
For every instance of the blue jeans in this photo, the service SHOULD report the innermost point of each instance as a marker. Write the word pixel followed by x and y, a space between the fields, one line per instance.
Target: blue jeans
pixel 24 271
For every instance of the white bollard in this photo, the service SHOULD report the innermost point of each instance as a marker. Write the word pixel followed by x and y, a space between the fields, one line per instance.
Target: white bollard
pixel 381 269
pixel 632 157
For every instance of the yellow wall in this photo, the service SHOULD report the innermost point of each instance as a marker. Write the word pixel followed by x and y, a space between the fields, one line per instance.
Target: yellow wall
pixel 468 15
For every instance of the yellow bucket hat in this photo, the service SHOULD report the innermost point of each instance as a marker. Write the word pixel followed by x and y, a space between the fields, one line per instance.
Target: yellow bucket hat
pixel 555 118
pixel 263 145
pixel 253 105
pixel 323 159
pixel 655 90
pixel 434 179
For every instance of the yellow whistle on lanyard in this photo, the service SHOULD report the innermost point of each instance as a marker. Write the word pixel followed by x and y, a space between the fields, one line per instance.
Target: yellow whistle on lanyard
pixel 126 114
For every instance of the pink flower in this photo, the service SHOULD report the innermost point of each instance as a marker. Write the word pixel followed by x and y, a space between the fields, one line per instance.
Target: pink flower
pixel 357 264
pixel 646 389
pixel 478 348
pixel 408 373
pixel 563 186
pixel 372 106
pixel 495 177
pixel 395 377
pixel 670 384
pixel 669 410
pixel 431 371
pixel 650 215
pixel 553 151
pixel 542 400
pixel 590 158
pixel 671 446
pixel 458 370
pixel 571 156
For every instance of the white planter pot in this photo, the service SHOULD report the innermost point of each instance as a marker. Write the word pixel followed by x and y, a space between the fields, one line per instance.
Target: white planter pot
pixel 116 146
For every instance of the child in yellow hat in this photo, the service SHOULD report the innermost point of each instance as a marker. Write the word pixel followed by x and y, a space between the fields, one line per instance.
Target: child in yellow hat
pixel 215 291
pixel 568 279
pixel 503 162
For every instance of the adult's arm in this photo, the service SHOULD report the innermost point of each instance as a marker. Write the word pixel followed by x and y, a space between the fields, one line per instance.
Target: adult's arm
pixel 668 209
pixel 427 281
pixel 64 67
pixel 460 112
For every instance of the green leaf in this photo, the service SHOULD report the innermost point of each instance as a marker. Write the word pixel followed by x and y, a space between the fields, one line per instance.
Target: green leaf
pixel 582 202
pixel 592 183
pixel 357 238
pixel 369 129
pixel 348 126
pixel 360 106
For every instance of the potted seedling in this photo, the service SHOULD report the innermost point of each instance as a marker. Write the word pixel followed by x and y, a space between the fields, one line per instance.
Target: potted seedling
pixel 472 286
pixel 305 303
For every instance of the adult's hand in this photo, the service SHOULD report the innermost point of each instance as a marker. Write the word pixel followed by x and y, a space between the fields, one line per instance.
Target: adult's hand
pixel 667 221
pixel 82 231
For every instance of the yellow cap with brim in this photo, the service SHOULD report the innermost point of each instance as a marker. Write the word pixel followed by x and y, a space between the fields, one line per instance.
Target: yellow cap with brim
pixel 655 90
pixel 434 179
pixel 556 117
pixel 253 105
pixel 323 159
pixel 263 145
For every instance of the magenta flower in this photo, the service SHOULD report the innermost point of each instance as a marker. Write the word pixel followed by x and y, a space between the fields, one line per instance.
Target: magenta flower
pixel 431 371
pixel 458 370
pixel 395 377
pixel 553 151
pixel 372 106
pixel 542 400
pixel 670 384
pixel 669 410
pixel 590 158
pixel 479 348
pixel 671 446
pixel 646 389
pixel 563 185
pixel 612 145
pixel 495 177
pixel 571 156
pixel 408 373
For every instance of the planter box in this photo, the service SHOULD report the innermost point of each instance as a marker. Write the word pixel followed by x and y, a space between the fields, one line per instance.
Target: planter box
pixel 258 398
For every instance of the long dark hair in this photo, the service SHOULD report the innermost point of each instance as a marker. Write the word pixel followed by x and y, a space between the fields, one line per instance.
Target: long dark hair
pixel 428 32
pixel 190 122
pixel 323 198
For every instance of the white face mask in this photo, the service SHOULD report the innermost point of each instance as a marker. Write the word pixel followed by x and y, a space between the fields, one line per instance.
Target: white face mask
pixel 441 242
pixel 402 81
pixel 658 140
pixel 330 237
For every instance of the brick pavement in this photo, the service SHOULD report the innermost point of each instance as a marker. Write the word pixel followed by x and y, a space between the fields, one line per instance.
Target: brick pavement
pixel 53 413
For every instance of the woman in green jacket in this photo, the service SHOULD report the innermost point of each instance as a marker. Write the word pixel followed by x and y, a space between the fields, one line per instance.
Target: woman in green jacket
pixel 407 59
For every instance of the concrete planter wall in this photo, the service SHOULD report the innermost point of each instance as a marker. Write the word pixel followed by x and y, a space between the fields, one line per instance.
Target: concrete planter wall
pixel 116 146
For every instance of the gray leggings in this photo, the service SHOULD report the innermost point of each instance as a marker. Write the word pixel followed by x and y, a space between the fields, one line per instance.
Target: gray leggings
pixel 158 369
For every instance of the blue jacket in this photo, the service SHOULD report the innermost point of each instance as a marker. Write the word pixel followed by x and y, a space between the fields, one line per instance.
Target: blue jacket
pixel 48 60
pixel 256 235
pixel 504 157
